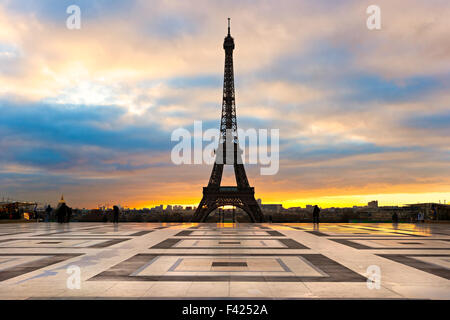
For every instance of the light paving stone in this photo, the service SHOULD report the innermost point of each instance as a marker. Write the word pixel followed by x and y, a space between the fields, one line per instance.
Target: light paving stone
pixel 168 289
pixel 209 289
pixel 290 290
pixel 250 290
pixel 128 289
pixel 349 291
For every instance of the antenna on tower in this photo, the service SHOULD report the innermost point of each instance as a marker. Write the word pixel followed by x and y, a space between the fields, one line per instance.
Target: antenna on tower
pixel 229 26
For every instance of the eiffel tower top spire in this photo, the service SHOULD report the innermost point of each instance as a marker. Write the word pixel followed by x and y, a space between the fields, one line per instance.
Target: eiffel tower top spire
pixel 228 43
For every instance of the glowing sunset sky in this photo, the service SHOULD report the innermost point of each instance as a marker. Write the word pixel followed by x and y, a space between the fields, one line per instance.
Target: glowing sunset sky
pixel 363 115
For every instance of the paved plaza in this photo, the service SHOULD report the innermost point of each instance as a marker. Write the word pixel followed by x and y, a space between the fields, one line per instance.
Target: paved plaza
pixel 217 261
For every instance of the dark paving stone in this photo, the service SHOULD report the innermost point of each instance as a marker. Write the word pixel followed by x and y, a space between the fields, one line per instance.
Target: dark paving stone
pixel 229 264
pixel 275 233
pixel 411 242
pixel 108 243
pixel 49 242
pixel 184 233
pixel 168 243
pixel 292 244
pixel 420 265
pixel 229 242
pixel 141 233
pixel 350 243
pixel 296 228
pixel 49 259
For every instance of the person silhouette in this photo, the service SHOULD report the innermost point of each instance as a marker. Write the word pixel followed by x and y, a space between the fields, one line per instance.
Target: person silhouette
pixel 68 214
pixel 116 214
pixel 316 212
pixel 48 212
pixel 62 212
pixel 395 217
pixel 434 211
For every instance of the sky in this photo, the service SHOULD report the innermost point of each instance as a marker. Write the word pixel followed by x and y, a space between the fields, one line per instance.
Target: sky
pixel 363 114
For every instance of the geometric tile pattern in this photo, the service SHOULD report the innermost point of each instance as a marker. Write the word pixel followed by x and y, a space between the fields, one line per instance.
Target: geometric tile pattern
pixel 213 267
pixel 184 260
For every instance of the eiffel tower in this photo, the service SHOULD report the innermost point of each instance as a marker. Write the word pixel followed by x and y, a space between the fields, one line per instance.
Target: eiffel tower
pixel 242 195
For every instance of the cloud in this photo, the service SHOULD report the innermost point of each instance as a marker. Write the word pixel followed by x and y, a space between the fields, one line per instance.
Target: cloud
pixel 439 123
pixel 358 110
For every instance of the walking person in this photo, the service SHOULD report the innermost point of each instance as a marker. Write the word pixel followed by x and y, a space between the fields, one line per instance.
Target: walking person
pixel 395 218
pixel 316 212
pixel 435 212
pixel 35 214
pixel 48 212
pixel 116 213
pixel 68 214
pixel 61 213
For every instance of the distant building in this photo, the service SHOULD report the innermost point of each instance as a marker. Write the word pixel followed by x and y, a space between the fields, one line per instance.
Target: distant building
pixel 272 208
pixel 373 204
pixel 61 201
pixel 157 208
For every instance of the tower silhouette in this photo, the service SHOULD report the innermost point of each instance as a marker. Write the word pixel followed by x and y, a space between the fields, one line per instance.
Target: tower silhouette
pixel 228 153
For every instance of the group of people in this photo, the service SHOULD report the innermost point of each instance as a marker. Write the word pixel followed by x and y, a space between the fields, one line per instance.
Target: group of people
pixel 420 217
pixel 63 213
pixel 395 217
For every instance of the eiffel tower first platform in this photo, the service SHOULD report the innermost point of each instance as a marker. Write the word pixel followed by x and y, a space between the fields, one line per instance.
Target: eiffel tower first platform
pixel 228 153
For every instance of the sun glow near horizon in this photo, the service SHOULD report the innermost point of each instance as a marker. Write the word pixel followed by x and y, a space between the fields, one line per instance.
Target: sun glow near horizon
pixel 340 201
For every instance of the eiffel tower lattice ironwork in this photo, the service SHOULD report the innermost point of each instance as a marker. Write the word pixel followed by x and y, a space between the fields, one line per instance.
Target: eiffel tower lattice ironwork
pixel 228 153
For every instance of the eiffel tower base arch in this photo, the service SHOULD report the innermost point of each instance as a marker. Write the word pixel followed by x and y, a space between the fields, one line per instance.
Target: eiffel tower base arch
pixel 214 198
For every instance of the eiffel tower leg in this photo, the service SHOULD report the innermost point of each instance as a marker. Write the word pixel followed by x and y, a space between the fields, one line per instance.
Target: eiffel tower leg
pixel 203 210
pixel 241 177
pixel 198 212
pixel 216 175
pixel 250 213
pixel 256 211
